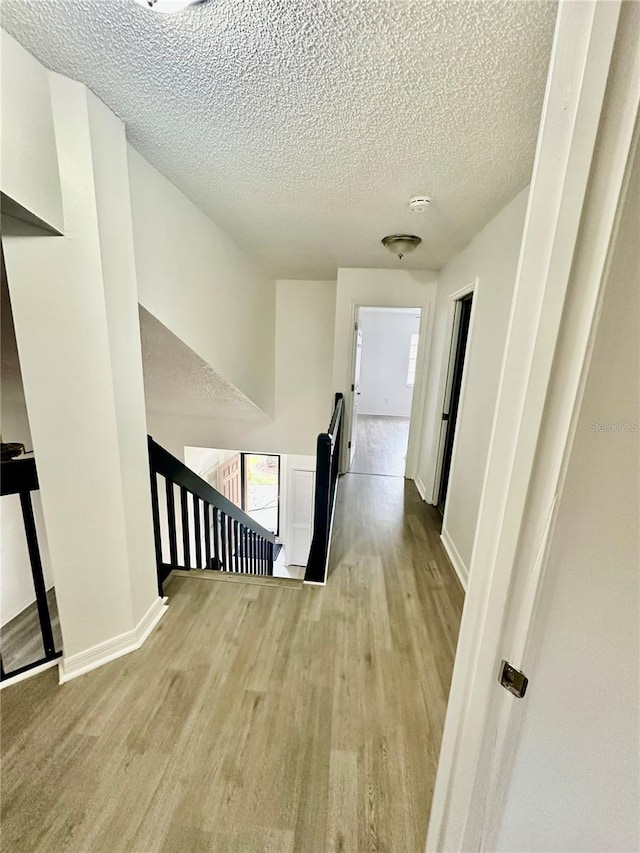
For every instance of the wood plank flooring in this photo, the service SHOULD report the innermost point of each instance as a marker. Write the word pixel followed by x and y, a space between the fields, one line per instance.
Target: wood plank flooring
pixel 381 446
pixel 21 638
pixel 255 718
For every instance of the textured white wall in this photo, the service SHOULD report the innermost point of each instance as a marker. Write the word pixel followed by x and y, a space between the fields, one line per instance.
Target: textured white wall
pixel 304 394
pixel 386 338
pixel 29 173
pixel 574 784
pixel 492 257
pixel 201 285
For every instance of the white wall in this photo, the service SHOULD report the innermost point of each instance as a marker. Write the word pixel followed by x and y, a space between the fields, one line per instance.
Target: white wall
pixel 29 175
pixel 574 784
pixel 386 338
pixel 298 500
pixel 305 312
pixel 113 206
pixel 385 289
pixel 491 257
pixel 206 461
pixel 77 407
pixel 199 283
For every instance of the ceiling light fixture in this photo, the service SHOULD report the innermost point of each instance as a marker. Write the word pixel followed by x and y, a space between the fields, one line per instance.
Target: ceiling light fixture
pixel 401 244
pixel 167 7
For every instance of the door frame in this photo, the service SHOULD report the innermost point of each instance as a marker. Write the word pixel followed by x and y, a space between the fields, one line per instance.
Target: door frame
pixel 356 365
pixel 523 451
pixel 454 298
pixel 416 417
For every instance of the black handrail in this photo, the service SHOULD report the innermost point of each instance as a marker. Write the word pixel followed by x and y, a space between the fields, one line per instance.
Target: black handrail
pixel 327 472
pixel 20 477
pixel 225 537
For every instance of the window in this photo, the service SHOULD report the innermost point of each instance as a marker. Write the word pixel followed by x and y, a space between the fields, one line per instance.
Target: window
pixel 252 482
pixel 413 358
pixel 261 489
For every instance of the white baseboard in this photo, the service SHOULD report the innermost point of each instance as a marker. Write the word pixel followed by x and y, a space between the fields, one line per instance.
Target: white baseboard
pixel 420 486
pixel 456 560
pixel 74 665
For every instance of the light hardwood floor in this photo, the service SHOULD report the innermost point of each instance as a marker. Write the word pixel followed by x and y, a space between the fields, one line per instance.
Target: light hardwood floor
pixel 255 718
pixel 381 445
pixel 21 638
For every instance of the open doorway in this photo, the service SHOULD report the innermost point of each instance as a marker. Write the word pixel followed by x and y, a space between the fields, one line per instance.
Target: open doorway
pixel 385 360
pixel 462 307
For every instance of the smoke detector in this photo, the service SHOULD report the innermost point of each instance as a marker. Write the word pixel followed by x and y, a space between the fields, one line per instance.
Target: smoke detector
pixel 401 244
pixel 419 203
pixel 167 7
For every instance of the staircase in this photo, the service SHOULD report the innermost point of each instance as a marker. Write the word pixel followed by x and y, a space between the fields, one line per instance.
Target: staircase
pixel 197 528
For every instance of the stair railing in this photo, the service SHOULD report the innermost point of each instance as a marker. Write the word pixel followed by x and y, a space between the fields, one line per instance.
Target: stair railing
pixel 20 477
pixel 196 527
pixel 327 472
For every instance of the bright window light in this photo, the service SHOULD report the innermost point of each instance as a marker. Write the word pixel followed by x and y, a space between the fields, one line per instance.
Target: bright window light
pixel 413 358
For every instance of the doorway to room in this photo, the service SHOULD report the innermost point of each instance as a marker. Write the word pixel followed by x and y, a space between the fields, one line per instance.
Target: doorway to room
pixel 385 360
pixel 453 390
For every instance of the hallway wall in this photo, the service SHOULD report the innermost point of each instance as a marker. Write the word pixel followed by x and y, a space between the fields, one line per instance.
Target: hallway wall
pixel 305 315
pixel 74 306
pixel 30 176
pixel 492 258
pixel 196 281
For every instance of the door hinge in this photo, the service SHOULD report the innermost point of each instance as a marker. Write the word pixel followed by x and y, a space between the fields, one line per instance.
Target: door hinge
pixel 353 387
pixel 445 416
pixel 349 446
pixel 513 680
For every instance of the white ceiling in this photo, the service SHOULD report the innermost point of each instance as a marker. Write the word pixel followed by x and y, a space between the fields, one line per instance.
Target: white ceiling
pixel 178 382
pixel 303 126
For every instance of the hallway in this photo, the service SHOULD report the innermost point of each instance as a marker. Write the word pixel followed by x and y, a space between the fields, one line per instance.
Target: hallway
pixel 255 717
pixel 381 445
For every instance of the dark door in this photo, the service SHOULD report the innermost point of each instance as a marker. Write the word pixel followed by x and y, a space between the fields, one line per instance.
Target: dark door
pixel 454 383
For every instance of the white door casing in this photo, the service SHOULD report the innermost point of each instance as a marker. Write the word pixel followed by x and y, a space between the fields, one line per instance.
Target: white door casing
pixel 452 337
pixel 355 389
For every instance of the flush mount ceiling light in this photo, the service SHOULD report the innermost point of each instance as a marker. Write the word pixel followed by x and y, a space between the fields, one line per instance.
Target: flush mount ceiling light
pixel 167 7
pixel 401 244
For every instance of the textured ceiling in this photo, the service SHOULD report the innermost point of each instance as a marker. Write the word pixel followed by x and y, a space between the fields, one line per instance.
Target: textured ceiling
pixel 303 126
pixel 179 382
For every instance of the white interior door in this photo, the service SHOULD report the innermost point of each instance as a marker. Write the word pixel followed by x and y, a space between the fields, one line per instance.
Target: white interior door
pixel 355 390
